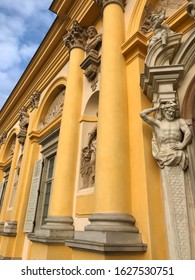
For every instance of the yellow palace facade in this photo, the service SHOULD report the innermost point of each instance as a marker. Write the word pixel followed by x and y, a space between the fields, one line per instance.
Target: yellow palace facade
pixel 97 138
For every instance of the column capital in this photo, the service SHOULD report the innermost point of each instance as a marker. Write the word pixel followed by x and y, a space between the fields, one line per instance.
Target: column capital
pixel 104 3
pixel 76 37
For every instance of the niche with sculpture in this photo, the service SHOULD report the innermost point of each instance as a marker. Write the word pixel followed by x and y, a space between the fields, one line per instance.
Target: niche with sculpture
pixel 88 144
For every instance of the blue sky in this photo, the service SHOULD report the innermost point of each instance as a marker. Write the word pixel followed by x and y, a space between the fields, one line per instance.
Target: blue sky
pixel 23 25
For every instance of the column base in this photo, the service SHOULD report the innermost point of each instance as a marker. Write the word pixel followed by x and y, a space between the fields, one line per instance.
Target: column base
pixel 1 227
pixel 55 231
pixel 8 228
pixel 109 232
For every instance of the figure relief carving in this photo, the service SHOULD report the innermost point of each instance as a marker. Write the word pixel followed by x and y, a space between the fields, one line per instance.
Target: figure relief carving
pixel 34 100
pixel 171 136
pixel 191 8
pixel 54 110
pixel 104 3
pixel 76 37
pixel 88 160
pixel 11 151
pixel 151 8
pixel 3 138
pixel 91 64
pixel 23 123
pixel 161 31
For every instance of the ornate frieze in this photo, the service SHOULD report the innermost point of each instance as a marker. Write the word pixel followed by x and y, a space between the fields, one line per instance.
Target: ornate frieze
pixel 104 3
pixel 3 137
pixel 76 37
pixel 23 123
pixel 191 8
pixel 88 160
pixel 91 64
pixel 34 100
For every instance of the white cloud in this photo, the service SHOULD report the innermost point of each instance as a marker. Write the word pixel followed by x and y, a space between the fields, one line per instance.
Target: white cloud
pixel 23 24
pixel 28 50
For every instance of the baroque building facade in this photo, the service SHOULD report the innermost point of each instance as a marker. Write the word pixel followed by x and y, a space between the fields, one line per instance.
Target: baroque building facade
pixel 97 138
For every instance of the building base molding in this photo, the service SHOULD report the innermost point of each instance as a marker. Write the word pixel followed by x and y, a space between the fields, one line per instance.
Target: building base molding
pixel 1 227
pixel 55 231
pixel 109 232
pixel 9 258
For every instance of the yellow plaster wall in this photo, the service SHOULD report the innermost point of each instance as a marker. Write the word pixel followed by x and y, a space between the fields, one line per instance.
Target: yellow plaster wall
pixel 84 205
pixel 39 251
pixel 146 194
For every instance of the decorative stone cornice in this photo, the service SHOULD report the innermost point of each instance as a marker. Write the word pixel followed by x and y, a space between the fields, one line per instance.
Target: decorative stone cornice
pixel 76 37
pixel 104 3
pixel 34 100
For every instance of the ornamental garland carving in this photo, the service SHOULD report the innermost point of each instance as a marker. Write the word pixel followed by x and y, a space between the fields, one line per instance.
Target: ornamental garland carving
pixel 88 160
pixel 76 37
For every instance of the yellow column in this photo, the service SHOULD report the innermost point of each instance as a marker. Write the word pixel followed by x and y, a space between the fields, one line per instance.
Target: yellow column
pixel 63 187
pixel 112 178
pixel 111 227
pixel 61 203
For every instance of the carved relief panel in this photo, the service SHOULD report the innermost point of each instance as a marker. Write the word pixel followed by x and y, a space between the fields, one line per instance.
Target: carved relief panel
pixel 88 144
pixel 54 110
